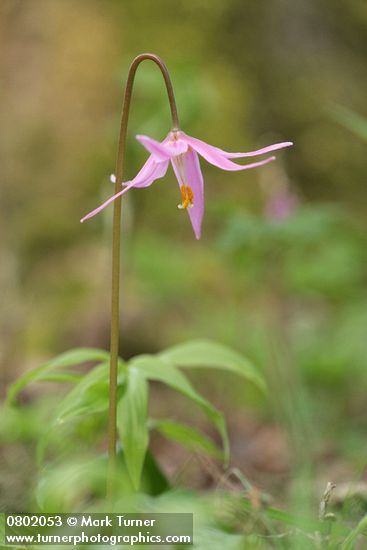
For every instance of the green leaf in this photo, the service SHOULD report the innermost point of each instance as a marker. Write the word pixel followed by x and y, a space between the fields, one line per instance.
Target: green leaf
pixel 154 482
pixel 42 374
pixel 63 377
pixel 89 396
pixel 132 416
pixel 209 354
pixel 154 368
pixel 187 436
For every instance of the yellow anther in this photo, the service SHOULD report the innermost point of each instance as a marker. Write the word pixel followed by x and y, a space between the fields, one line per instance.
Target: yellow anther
pixel 187 197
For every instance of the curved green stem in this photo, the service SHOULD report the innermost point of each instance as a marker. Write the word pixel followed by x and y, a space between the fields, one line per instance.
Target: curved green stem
pixel 116 229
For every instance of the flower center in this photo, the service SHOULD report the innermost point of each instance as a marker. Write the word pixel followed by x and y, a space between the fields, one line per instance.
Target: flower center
pixel 187 197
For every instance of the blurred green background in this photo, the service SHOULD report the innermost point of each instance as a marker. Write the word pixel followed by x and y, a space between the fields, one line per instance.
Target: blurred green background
pixel 280 272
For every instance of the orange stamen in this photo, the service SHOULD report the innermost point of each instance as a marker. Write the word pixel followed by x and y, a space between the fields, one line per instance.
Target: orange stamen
pixel 187 197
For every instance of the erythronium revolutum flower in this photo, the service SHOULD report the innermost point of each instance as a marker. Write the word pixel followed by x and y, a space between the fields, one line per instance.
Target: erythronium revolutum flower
pixel 182 151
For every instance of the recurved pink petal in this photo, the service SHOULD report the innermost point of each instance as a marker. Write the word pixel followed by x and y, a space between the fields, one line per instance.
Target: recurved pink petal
pixel 150 172
pixel 226 154
pixel 188 172
pixel 143 177
pixel 263 151
pixel 166 150
pixel 219 158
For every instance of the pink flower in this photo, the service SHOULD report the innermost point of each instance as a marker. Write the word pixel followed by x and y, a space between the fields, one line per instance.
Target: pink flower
pixel 281 206
pixel 182 151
